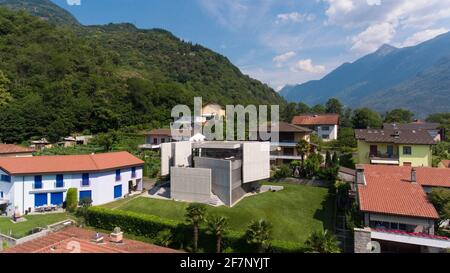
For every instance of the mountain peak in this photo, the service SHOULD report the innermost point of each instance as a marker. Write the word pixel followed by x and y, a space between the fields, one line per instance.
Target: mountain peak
pixel 385 49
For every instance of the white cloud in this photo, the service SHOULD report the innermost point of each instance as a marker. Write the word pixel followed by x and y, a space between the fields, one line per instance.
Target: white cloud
pixel 338 7
pixel 283 58
pixel 73 2
pixel 307 65
pixel 423 36
pixel 373 37
pixel 294 17
pixel 373 2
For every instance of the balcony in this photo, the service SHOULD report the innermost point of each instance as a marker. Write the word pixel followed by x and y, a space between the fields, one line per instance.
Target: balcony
pixel 384 158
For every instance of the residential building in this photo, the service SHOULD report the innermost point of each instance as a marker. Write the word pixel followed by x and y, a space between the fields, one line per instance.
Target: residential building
pixel 444 164
pixel 396 211
pixel 214 171
pixel 11 150
pixel 78 240
pixel 156 137
pixel 30 182
pixel 75 140
pixel 433 129
pixel 40 144
pixel 394 147
pixel 284 150
pixel 326 126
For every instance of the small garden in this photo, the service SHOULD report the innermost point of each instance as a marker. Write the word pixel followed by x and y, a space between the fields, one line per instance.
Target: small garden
pixel 32 223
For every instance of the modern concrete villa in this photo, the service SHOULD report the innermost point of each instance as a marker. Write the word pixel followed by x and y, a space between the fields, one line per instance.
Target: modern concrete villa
pixel 210 170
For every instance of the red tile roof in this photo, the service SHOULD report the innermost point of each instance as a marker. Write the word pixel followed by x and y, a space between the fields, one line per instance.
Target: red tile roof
pixel 446 163
pixel 14 149
pixel 328 119
pixel 395 136
pixel 389 190
pixel 433 177
pixel 68 163
pixel 64 240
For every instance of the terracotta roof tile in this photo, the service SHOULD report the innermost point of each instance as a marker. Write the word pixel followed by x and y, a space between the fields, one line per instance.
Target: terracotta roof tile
pixel 14 149
pixel 446 163
pixel 328 119
pixel 68 163
pixel 389 190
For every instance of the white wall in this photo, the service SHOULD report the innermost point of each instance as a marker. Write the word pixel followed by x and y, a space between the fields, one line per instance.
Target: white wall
pixel 256 161
pixel 101 184
pixel 332 132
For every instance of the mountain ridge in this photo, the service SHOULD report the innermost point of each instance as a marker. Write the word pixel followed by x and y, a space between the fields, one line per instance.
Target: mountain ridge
pixel 384 71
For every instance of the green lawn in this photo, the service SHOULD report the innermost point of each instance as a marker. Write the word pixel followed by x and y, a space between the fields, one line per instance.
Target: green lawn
pixel 294 212
pixel 21 229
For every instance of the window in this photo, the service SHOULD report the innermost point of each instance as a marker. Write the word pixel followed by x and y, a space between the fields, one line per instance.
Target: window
pixel 325 136
pixel 133 172
pixel 85 179
pixel 325 128
pixel 6 178
pixel 407 150
pixel 38 182
pixel 59 180
pixel 155 141
pixel 118 175
pixel 1 194
pixel 163 140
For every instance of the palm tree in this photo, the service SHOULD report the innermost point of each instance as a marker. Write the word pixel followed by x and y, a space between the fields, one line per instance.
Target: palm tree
pixel 259 232
pixel 322 242
pixel 302 148
pixel 195 214
pixel 217 226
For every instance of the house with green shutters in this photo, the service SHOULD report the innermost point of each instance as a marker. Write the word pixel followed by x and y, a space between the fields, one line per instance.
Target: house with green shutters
pixel 395 147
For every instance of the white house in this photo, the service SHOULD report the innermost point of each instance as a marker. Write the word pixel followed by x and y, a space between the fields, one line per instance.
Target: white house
pixel 30 182
pixel 326 126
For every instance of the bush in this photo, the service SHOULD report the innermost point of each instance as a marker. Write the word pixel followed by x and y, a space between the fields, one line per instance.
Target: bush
pixel 72 199
pixel 156 228
pixel 282 172
pixel 328 174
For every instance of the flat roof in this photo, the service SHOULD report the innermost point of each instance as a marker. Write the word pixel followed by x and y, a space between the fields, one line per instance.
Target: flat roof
pixel 221 144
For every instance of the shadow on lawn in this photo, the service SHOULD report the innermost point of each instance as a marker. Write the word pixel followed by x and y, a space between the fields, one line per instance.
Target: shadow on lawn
pixel 327 213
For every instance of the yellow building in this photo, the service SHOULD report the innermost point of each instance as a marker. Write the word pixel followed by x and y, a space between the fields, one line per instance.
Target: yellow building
pixel 394 147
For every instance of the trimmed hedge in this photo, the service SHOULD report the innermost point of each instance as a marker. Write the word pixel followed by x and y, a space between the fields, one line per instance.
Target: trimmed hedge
pixel 72 199
pixel 150 225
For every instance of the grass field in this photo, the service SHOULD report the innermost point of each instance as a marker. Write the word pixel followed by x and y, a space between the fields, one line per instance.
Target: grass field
pixel 33 221
pixel 294 212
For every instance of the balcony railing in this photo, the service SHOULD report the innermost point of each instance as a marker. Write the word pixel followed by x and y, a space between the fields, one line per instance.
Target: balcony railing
pixel 383 156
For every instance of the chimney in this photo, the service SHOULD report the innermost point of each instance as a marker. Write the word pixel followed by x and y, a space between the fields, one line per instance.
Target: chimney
pixel 360 178
pixel 413 175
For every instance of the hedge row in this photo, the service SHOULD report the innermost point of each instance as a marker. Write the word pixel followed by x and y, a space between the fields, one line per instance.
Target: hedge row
pixel 150 225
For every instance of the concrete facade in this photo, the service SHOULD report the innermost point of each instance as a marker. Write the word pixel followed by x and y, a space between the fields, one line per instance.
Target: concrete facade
pixel 190 184
pixel 226 162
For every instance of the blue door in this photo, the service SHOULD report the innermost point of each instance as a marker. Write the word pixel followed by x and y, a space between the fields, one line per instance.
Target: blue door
pixel 85 194
pixel 117 191
pixel 56 198
pixel 40 199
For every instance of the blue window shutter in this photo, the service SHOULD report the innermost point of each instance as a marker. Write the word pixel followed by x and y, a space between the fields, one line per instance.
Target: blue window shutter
pixel 38 181
pixel 85 194
pixel 59 180
pixel 56 198
pixel 117 191
pixel 40 199
pixel 133 172
pixel 85 180
pixel 118 175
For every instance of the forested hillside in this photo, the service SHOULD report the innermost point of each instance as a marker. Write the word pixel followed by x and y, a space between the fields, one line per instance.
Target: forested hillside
pixel 58 80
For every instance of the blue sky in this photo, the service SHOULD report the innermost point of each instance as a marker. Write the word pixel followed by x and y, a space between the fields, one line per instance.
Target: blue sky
pixel 279 41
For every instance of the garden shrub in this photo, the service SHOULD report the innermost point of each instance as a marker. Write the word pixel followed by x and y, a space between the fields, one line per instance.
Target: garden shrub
pixel 282 172
pixel 154 227
pixel 72 199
